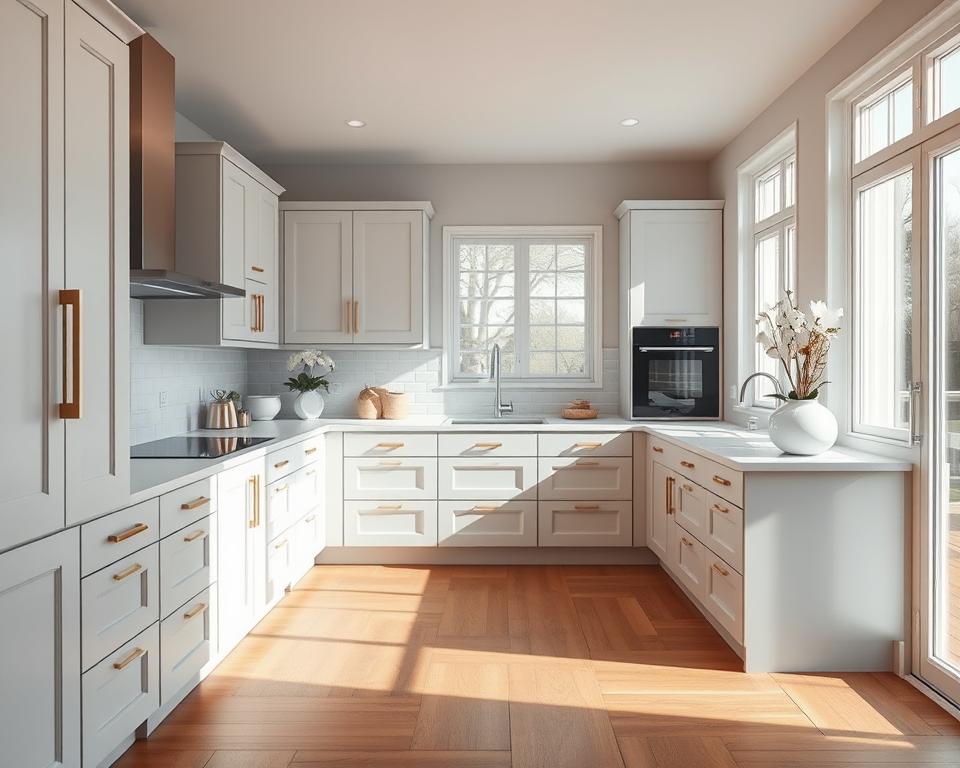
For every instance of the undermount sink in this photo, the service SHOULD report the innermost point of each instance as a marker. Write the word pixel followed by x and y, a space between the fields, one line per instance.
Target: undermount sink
pixel 504 420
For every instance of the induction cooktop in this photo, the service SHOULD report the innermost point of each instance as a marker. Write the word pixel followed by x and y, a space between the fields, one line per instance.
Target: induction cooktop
pixel 213 447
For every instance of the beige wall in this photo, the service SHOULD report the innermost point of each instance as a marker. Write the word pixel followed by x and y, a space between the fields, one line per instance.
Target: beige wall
pixel 504 194
pixel 803 102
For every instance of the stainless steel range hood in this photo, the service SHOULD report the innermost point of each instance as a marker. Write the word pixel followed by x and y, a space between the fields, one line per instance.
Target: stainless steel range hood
pixel 154 262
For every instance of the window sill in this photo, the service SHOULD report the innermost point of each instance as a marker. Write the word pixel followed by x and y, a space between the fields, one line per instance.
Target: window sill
pixel 506 385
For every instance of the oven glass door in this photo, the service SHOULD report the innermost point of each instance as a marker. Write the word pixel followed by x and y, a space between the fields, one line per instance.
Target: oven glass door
pixel 675 383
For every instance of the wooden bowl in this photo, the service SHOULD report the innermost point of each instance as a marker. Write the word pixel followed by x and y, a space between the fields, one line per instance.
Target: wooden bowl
pixel 579 413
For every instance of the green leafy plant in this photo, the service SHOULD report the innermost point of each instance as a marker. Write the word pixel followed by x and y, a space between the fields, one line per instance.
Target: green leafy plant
pixel 306 383
pixel 308 359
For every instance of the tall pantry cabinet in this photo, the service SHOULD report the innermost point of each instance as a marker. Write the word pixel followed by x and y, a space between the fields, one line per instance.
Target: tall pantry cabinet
pixel 64 214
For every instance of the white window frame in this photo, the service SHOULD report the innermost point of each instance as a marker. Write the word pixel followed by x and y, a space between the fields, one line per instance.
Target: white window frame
pixel 777 151
pixel 593 326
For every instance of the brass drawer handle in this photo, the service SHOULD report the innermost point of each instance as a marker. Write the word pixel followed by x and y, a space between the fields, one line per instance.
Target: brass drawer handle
pixel 670 483
pixel 135 654
pixel 687 464
pixel 280 488
pixel 356 317
pixel 585 463
pixel 116 538
pixel 257 269
pixel 194 536
pixel 685 541
pixel 586 507
pixel 721 571
pixel 657 449
pixel 197 609
pixel 135 568
pixel 281 544
pixel 687 487
pixel 310 518
pixel 718 508
pixel 309 451
pixel 389 507
pixel 721 480
pixel 389 446
pixel 484 508
pixel 395 463
pixel 488 446
pixel 254 481
pixel 198 502
pixel 588 446
pixel 70 409
pixel 281 464
pixel 309 472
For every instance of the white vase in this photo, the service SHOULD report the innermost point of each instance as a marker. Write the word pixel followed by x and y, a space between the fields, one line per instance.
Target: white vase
pixel 308 405
pixel 803 427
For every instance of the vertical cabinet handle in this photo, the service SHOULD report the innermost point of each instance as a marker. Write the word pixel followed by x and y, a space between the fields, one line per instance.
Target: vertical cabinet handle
pixel 255 486
pixel 70 408
pixel 356 317
pixel 346 316
pixel 263 312
pixel 669 492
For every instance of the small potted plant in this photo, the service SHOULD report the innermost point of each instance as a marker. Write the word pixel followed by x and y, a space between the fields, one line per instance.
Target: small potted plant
pixel 801 343
pixel 309 402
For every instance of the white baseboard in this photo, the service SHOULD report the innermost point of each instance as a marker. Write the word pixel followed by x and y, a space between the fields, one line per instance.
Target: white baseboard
pixel 486 556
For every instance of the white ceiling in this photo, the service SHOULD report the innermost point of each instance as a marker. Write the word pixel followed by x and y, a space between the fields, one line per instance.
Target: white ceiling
pixel 486 81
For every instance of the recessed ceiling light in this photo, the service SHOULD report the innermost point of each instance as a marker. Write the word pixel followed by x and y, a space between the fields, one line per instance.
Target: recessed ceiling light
pixel 629 122
pixel 356 123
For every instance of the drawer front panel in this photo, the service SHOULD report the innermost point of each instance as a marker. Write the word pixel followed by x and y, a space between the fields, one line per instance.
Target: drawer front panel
pixel 723 481
pixel 478 444
pixel 410 478
pixel 723 595
pixel 279 514
pixel 279 567
pixel 585 524
pixel 378 444
pixel 487 524
pixel 306 490
pixel 586 444
pixel 119 602
pixel 187 505
pixel 488 478
pixel 308 542
pixel 188 638
pixel 110 538
pixel 187 563
pixel 662 452
pixel 691 509
pixel 689 559
pixel 284 462
pixel 312 449
pixel 397 524
pixel 589 479
pixel 724 530
pixel 119 693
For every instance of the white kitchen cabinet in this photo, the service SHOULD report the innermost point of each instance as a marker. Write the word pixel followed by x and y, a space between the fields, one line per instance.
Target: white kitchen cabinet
pixel 487 523
pixel 723 594
pixel 585 524
pixel 488 478
pixel 390 524
pixel 586 479
pixel 40 653
pixel 188 645
pixel 687 559
pixel 228 231
pixel 280 557
pixel 309 539
pixel 402 478
pixel 356 273
pixel 188 563
pixel 242 543
pixel 661 496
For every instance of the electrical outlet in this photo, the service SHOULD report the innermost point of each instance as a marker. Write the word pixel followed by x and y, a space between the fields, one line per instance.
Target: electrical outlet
pixel 163 399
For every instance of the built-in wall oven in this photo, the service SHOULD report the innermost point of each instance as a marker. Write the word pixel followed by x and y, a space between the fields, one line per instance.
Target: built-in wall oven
pixel 676 373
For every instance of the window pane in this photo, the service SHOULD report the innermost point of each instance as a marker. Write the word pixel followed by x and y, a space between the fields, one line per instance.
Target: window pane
pixel 571 337
pixel 500 284
pixel 543 283
pixel 790 181
pixel 884 302
pixel 543 257
pixel 768 193
pixel 543 311
pixel 885 118
pixel 769 287
pixel 571 363
pixel 947 68
pixel 572 284
pixel 543 363
pixel 570 310
pixel 499 258
pixel 471 284
pixel 473 257
pixel 571 257
pixel 903 111
pixel 543 338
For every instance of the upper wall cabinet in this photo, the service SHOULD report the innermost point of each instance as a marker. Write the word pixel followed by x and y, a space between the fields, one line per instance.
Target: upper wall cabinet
pixel 355 273
pixel 671 262
pixel 64 217
pixel 227 231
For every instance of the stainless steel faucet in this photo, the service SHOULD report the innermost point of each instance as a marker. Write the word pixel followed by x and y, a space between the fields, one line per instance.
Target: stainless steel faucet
pixel 499 408
pixel 752 376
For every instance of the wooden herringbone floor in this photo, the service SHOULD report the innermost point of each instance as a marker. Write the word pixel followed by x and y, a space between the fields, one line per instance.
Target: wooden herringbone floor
pixel 492 667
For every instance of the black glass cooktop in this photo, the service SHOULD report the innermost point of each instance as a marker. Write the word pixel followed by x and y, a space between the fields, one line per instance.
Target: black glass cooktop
pixel 212 447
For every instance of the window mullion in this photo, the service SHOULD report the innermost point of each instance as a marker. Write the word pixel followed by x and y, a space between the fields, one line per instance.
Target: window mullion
pixel 521 312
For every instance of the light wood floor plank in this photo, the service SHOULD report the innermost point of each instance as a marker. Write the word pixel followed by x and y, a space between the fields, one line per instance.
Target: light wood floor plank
pixel 675 752
pixel 402 760
pixel 247 759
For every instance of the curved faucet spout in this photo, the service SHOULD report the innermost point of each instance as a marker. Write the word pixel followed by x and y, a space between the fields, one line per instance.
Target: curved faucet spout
pixel 752 376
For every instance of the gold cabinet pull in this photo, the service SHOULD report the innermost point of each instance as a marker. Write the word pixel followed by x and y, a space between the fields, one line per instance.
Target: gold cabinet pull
pixel 585 463
pixel 356 317
pixel 309 518
pixel 255 484
pixel 263 312
pixel 281 464
pixel 687 464
pixel 309 451
pixel 586 507
pixel 116 538
pixel 389 507
pixel 135 654
pixel 718 508
pixel 280 544
pixel 280 488
pixel 389 446
pixel 135 568
pixel 657 449
pixel 70 409
pixel 720 480
pixel 484 508
pixel 670 484
pixel 309 472
pixel 195 611
pixel 346 316
pixel 722 571
pixel 198 502
pixel 588 446
pixel 255 319
pixel 390 463
pixel 194 536
pixel 487 446
pixel 688 488
pixel 685 541
pixel 255 268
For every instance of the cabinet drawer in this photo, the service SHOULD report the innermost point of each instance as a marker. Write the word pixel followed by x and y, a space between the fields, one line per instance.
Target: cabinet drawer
pixel 585 524
pixel 187 563
pixel 488 478
pixel 108 539
pixel 279 567
pixel 691 509
pixel 279 514
pixel 590 479
pixel 586 444
pixel 308 542
pixel 724 530
pixel 284 462
pixel 477 444
pixel 188 641
pixel 397 524
pixel 487 524
pixel 688 558
pixel 120 693
pixel 377 444
pixel 723 595
pixel 118 602
pixel 312 449
pixel 663 452
pixel 306 490
pixel 713 476
pixel 187 505
pixel 408 478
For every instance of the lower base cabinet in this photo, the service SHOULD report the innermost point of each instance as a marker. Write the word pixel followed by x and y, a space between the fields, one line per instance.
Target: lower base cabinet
pixel 40 653
pixel 585 523
pixel 188 639
pixel 390 523
pixel 119 694
pixel 487 523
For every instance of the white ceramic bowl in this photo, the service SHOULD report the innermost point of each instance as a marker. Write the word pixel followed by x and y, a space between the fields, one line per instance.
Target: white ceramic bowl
pixel 262 407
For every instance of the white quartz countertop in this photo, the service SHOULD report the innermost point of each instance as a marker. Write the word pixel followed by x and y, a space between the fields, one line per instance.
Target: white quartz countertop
pixel 728 444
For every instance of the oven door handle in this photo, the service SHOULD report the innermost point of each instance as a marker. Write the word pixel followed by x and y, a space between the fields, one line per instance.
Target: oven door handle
pixel 674 349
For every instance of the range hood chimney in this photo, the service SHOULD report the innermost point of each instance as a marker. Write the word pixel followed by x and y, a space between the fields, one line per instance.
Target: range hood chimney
pixel 153 232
